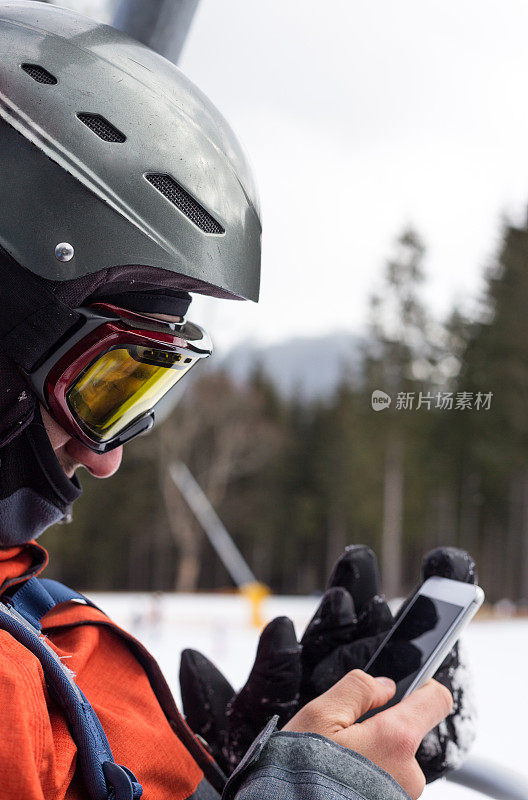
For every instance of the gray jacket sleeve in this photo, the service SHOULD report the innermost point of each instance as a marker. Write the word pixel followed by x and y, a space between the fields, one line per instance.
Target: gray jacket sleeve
pixel 306 766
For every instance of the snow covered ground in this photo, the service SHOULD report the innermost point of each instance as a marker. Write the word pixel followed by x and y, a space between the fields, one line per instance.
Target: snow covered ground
pixel 219 626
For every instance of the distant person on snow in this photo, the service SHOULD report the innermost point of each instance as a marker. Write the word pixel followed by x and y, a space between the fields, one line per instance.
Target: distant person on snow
pixel 122 191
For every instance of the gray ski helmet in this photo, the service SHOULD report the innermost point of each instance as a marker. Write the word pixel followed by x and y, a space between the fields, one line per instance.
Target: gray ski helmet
pixel 110 156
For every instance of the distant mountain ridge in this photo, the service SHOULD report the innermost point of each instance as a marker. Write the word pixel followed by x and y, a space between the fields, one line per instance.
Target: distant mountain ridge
pixel 310 368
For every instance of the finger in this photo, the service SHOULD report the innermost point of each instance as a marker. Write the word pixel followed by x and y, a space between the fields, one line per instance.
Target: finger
pixel 376 618
pixel 450 562
pixel 275 678
pixel 349 699
pixel 336 608
pixel 357 572
pixel 417 714
pixel 332 624
pixel 338 663
pixel 361 693
pixel 205 693
pixel 272 688
pixel 445 562
pixel 278 652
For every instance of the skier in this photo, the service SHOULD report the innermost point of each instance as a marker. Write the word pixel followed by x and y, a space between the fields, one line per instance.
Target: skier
pixel 123 190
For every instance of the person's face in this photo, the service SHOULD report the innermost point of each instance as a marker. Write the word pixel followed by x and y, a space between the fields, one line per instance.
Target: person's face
pixel 72 454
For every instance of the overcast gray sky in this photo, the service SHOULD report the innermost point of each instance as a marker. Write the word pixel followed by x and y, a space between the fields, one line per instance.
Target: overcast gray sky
pixel 360 117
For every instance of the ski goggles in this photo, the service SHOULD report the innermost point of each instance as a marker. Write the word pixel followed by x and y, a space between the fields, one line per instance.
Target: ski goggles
pixel 103 383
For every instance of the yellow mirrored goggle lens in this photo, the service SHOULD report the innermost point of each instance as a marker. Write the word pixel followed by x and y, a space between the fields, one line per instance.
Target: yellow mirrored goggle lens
pixel 123 384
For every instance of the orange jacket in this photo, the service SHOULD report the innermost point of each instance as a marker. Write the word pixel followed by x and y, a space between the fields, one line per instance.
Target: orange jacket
pixel 37 753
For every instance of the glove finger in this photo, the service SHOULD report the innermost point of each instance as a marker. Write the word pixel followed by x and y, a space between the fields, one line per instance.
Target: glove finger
pixel 276 672
pixel 205 693
pixel 336 665
pixel 272 688
pixel 332 624
pixel 445 562
pixel 376 618
pixel 357 571
pixel 450 562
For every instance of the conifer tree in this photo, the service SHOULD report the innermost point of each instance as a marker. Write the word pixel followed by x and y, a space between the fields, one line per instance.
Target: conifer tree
pixel 398 363
pixel 496 441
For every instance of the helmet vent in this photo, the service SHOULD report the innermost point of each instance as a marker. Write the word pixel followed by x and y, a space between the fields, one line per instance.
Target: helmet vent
pixel 183 200
pixel 100 126
pixel 39 74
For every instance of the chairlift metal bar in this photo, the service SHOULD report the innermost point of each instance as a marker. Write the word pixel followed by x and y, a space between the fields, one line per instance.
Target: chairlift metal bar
pixel 491 780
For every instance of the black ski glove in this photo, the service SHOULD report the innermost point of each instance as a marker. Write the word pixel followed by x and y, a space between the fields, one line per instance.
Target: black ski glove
pixel 346 629
pixel 230 721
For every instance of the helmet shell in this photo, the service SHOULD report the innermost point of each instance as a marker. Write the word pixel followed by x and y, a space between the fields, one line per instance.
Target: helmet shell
pixel 63 183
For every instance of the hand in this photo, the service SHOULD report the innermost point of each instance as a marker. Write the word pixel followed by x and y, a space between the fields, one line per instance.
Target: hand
pixel 350 623
pixel 391 738
pixel 348 626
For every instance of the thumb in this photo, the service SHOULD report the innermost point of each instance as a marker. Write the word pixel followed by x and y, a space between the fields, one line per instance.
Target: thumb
pixel 205 693
pixel 342 705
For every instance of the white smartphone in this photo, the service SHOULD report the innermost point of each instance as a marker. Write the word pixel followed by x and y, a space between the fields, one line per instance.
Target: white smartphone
pixel 415 647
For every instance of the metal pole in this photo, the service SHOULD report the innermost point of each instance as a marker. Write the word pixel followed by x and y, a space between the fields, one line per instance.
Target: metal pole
pixel 163 25
pixel 491 780
pixel 217 534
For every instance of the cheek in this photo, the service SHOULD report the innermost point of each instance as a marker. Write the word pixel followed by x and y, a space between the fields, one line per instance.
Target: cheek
pixel 57 436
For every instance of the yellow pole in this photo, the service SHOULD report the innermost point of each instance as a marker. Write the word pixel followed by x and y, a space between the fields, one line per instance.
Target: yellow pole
pixel 256 593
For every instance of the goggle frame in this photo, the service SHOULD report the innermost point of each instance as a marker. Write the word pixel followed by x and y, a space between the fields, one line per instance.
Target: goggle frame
pixel 103 327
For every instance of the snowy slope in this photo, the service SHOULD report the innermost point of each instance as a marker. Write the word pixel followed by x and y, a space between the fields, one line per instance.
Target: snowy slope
pixel 219 626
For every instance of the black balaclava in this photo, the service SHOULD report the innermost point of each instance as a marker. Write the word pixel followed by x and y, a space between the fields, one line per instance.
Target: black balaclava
pixel 34 490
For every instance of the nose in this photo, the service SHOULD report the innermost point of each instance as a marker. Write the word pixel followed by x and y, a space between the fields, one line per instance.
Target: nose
pixel 101 465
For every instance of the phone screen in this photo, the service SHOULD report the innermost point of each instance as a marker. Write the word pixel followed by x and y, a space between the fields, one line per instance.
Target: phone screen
pixel 413 640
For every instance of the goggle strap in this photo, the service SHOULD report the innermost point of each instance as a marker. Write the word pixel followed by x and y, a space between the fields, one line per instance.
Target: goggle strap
pixel 32 318
pixel 165 301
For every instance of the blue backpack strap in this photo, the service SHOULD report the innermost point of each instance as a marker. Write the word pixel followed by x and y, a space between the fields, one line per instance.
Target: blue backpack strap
pixel 211 770
pixel 20 616
pixel 61 593
pixel 36 597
